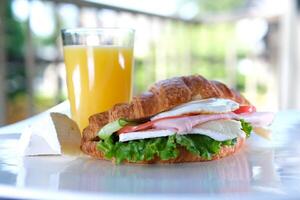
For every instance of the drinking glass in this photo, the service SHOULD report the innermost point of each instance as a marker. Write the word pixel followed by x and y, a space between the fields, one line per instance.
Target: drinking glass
pixel 99 69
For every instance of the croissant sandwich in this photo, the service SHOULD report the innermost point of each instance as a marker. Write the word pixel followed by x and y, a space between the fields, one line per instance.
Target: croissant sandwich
pixel 182 119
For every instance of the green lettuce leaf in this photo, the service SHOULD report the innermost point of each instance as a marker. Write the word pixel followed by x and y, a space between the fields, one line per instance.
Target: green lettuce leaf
pixel 139 150
pixel 163 147
pixel 246 127
pixel 202 145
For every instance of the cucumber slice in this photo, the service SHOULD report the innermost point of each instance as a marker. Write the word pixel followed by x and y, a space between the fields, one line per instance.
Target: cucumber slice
pixel 112 127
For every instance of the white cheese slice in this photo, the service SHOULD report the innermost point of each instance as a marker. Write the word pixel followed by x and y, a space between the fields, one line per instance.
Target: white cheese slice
pixel 144 135
pixel 219 130
pixel 212 105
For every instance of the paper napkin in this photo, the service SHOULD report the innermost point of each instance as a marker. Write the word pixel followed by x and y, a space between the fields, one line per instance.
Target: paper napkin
pixel 51 134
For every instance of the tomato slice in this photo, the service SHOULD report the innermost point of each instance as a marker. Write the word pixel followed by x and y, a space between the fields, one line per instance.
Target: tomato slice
pixel 146 125
pixel 245 109
pixel 139 127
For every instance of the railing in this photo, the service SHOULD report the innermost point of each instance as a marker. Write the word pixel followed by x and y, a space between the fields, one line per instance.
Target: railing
pixel 153 65
pixel 30 57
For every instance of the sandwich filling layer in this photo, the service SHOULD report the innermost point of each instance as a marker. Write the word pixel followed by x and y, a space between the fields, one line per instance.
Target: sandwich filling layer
pixel 202 127
pixel 220 130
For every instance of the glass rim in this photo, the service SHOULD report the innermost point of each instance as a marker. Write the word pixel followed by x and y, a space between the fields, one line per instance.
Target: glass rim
pixel 91 30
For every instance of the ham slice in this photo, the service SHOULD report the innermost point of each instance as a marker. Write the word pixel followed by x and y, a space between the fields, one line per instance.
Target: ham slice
pixel 219 130
pixel 186 123
pixel 258 119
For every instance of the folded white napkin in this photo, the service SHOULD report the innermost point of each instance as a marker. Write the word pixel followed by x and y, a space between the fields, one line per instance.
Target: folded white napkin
pixel 40 138
pixel 50 134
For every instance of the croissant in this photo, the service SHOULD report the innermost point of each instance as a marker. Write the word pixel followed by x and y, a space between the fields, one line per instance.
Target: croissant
pixel 162 96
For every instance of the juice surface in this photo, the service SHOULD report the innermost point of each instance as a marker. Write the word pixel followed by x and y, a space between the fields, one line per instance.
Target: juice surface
pixel 97 79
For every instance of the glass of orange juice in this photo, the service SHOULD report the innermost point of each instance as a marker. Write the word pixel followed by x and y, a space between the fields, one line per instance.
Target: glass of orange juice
pixel 99 68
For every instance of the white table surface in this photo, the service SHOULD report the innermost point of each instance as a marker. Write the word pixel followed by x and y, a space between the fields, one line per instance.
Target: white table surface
pixel 261 170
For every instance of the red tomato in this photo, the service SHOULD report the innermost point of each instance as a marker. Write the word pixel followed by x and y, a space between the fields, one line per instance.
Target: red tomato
pixel 245 109
pixel 139 127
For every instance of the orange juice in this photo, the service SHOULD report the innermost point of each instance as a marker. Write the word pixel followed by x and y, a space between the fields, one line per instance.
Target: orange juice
pixel 98 77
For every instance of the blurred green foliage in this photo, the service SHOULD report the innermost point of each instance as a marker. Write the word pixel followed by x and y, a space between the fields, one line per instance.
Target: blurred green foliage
pixel 180 49
pixel 198 49
pixel 14 35
pixel 14 45
pixel 220 5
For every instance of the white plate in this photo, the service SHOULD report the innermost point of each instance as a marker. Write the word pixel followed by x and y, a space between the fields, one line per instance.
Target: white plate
pixel 259 170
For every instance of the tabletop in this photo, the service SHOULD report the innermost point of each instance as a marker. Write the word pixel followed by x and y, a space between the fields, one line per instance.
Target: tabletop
pixel 261 169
